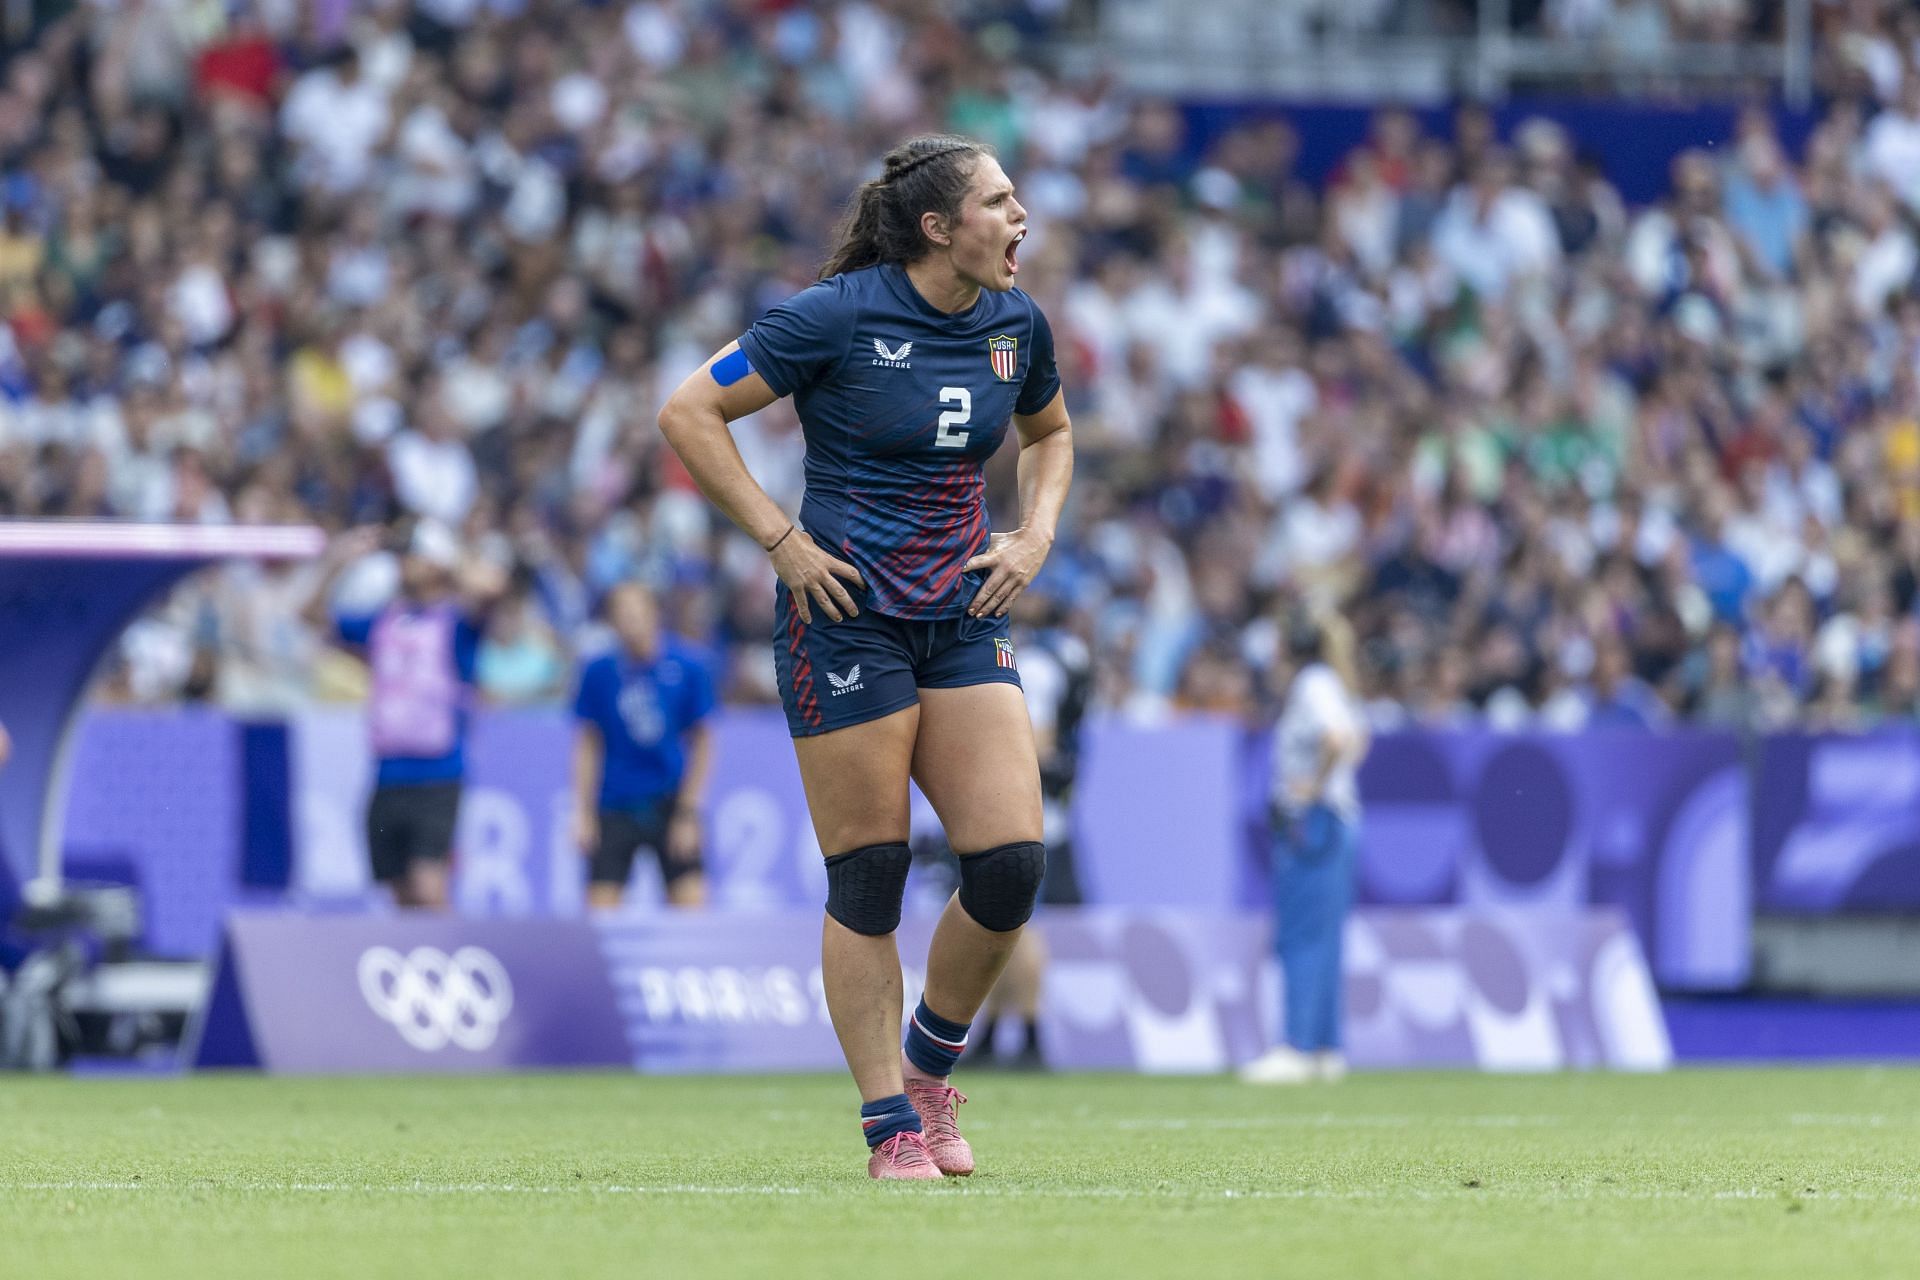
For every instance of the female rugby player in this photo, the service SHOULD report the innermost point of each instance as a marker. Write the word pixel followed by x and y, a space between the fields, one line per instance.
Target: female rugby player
pixel 906 362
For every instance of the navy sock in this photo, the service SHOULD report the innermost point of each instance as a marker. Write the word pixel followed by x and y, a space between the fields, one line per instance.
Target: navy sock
pixel 933 1043
pixel 884 1117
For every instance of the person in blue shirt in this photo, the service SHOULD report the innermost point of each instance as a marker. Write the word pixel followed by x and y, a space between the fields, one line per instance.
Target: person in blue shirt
pixel 1616 697
pixel 641 753
pixel 907 363
pixel 421 648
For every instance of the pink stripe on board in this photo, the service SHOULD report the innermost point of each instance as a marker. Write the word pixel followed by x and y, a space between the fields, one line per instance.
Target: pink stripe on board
pixel 85 539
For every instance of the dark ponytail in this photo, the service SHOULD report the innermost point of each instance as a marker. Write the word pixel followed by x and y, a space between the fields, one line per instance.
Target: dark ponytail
pixel 928 174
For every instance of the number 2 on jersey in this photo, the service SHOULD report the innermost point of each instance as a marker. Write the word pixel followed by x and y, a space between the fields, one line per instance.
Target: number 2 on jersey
pixel 958 416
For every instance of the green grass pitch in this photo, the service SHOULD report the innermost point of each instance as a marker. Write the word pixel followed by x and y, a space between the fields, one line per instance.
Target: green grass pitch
pixel 1699 1173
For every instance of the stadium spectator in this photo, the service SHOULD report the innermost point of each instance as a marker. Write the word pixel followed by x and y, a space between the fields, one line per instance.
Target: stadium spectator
pixel 520 660
pixel 642 753
pixel 1318 746
pixel 422 649
pixel 1764 203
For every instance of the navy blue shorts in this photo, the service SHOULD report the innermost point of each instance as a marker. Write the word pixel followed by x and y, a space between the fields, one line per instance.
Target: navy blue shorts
pixel 835 674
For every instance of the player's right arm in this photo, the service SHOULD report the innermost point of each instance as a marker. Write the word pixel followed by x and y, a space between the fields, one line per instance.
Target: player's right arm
pixel 589 753
pixel 589 758
pixel 695 422
pixel 343 551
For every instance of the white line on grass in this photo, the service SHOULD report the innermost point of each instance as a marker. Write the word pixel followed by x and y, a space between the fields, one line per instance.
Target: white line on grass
pixel 1329 1120
pixel 1014 1191
pixel 1279 1120
pixel 1824 1120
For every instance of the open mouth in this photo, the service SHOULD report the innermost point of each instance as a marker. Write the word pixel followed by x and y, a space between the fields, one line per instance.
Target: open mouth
pixel 1013 251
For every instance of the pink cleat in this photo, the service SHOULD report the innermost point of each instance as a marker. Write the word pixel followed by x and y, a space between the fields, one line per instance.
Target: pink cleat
pixel 902 1158
pixel 939 1106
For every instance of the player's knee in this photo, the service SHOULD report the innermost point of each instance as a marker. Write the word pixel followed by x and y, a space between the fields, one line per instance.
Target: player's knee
pixel 866 887
pixel 998 887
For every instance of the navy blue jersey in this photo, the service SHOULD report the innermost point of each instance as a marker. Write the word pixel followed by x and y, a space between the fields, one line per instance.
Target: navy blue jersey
pixel 902 405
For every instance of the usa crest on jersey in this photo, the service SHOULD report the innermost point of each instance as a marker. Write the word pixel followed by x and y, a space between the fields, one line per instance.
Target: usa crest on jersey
pixel 1004 352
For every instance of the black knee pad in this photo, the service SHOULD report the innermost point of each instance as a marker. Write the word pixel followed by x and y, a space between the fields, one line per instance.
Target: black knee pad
pixel 998 887
pixel 866 886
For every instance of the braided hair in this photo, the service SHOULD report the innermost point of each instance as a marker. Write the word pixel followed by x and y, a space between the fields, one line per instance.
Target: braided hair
pixel 928 174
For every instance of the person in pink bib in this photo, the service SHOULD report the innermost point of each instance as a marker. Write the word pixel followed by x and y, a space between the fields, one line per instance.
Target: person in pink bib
pixel 421 648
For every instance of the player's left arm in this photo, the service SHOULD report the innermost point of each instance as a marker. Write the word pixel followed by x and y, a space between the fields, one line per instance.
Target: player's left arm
pixel 1013 560
pixel 683 832
pixel 341 552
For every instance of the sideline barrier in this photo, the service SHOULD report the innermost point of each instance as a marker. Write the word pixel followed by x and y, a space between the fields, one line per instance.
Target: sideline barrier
pixel 1689 833
pixel 1154 992
pixel 1164 818
pixel 406 993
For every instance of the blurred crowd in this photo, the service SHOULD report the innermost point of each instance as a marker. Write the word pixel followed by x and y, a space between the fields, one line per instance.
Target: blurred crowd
pixel 1562 461
pixel 1632 27
pixel 1629 28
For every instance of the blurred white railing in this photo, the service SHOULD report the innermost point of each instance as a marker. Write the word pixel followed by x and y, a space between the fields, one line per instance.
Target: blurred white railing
pixel 1396 49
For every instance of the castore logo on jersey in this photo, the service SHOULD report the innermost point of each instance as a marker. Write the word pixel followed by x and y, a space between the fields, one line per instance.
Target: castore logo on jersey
pixel 891 357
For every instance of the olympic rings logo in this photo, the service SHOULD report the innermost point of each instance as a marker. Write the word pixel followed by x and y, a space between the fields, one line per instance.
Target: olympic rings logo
pixel 435 999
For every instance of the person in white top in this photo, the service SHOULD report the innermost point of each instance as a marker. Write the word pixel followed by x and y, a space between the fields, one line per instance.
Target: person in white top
pixel 1318 746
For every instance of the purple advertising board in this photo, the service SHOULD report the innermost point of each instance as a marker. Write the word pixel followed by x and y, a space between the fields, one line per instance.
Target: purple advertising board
pixel 1836 823
pixel 1502 989
pixel 1158 814
pixel 1688 834
pixel 514 853
pixel 740 992
pixel 1172 991
pixel 407 993
pixel 1170 817
pixel 1655 824
pixel 1150 991
pixel 155 803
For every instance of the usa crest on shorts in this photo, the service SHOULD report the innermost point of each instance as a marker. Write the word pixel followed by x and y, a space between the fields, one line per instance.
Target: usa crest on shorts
pixel 1004 351
pixel 1003 653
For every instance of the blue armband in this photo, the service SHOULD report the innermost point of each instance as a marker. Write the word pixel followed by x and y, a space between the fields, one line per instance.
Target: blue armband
pixel 731 367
